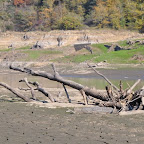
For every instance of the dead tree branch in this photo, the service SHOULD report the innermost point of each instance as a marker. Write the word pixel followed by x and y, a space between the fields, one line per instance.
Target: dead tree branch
pixel 39 88
pixel 31 88
pixel 134 85
pixel 58 78
pixel 43 91
pixel 84 96
pixel 104 77
pixel 14 91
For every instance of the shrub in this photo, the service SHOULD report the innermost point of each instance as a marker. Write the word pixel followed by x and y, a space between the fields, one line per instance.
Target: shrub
pixel 70 23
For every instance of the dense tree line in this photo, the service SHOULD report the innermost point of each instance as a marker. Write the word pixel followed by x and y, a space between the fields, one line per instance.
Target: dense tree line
pixel 71 14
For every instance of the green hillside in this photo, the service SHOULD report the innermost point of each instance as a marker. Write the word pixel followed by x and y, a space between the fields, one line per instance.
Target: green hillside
pixel 101 53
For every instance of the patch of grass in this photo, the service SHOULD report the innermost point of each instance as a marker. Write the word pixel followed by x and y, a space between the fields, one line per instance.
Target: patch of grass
pixel 123 43
pixel 123 56
pixel 100 53
pixel 84 55
pixel 24 48
pixel 99 47
pixel 81 58
pixel 5 50
pixel 35 54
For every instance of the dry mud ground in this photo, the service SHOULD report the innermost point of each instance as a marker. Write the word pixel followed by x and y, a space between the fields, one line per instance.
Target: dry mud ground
pixel 70 37
pixel 23 124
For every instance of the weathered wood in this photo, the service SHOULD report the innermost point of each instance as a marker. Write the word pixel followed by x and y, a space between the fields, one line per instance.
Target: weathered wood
pixel 114 97
pixel 31 88
pixel 134 85
pixel 109 92
pixel 42 90
pixel 121 88
pixel 84 96
pixel 58 78
pixel 14 91
pixel 39 88
pixel 69 100
pixel 104 77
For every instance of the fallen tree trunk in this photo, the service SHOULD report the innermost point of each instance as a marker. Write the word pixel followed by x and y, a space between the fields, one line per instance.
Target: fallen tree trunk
pixel 14 91
pixel 38 87
pixel 56 77
pixel 113 96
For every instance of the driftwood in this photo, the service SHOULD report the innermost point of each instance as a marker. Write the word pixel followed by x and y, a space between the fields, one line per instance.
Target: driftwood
pixel 69 100
pixel 30 87
pixel 56 77
pixel 84 97
pixel 38 88
pixel 114 97
pixel 14 91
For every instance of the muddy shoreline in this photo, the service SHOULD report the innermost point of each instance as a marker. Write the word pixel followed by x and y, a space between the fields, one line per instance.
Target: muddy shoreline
pixel 21 124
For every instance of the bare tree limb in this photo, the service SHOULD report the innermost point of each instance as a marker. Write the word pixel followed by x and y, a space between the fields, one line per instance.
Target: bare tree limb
pixel 40 89
pixel 134 85
pixel 84 96
pixel 88 91
pixel 14 91
pixel 69 100
pixel 104 77
pixel 31 88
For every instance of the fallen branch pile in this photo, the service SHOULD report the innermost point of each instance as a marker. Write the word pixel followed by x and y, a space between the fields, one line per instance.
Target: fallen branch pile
pixel 121 100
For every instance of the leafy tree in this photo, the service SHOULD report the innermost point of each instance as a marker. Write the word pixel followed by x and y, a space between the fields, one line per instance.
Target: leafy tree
pixel 70 23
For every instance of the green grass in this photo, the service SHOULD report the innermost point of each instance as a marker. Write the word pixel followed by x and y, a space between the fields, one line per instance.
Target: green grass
pixel 24 48
pixel 123 43
pixel 100 53
pixel 35 54
pixel 5 50
pixel 99 47
pixel 123 56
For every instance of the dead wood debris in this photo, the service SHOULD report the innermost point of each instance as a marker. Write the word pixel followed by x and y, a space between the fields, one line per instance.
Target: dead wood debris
pixel 117 98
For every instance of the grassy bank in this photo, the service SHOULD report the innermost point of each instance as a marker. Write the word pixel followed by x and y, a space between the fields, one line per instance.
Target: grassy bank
pixel 100 53
pixel 134 55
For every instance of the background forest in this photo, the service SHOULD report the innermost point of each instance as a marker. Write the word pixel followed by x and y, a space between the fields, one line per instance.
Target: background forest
pixel 45 15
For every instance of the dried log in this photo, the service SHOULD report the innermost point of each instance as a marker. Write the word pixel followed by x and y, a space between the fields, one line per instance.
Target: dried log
pixel 14 91
pixel 56 77
pixel 110 93
pixel 84 97
pixel 134 85
pixel 108 104
pixel 30 87
pixel 121 88
pixel 113 98
pixel 40 89
pixel 69 100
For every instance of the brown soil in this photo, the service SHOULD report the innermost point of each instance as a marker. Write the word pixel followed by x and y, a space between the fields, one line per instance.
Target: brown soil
pixel 22 124
pixel 49 39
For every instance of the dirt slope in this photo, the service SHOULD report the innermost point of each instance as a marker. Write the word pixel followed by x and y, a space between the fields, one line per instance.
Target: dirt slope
pixel 49 39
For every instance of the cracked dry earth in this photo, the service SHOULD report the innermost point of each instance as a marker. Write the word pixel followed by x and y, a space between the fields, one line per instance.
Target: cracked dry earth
pixel 22 124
